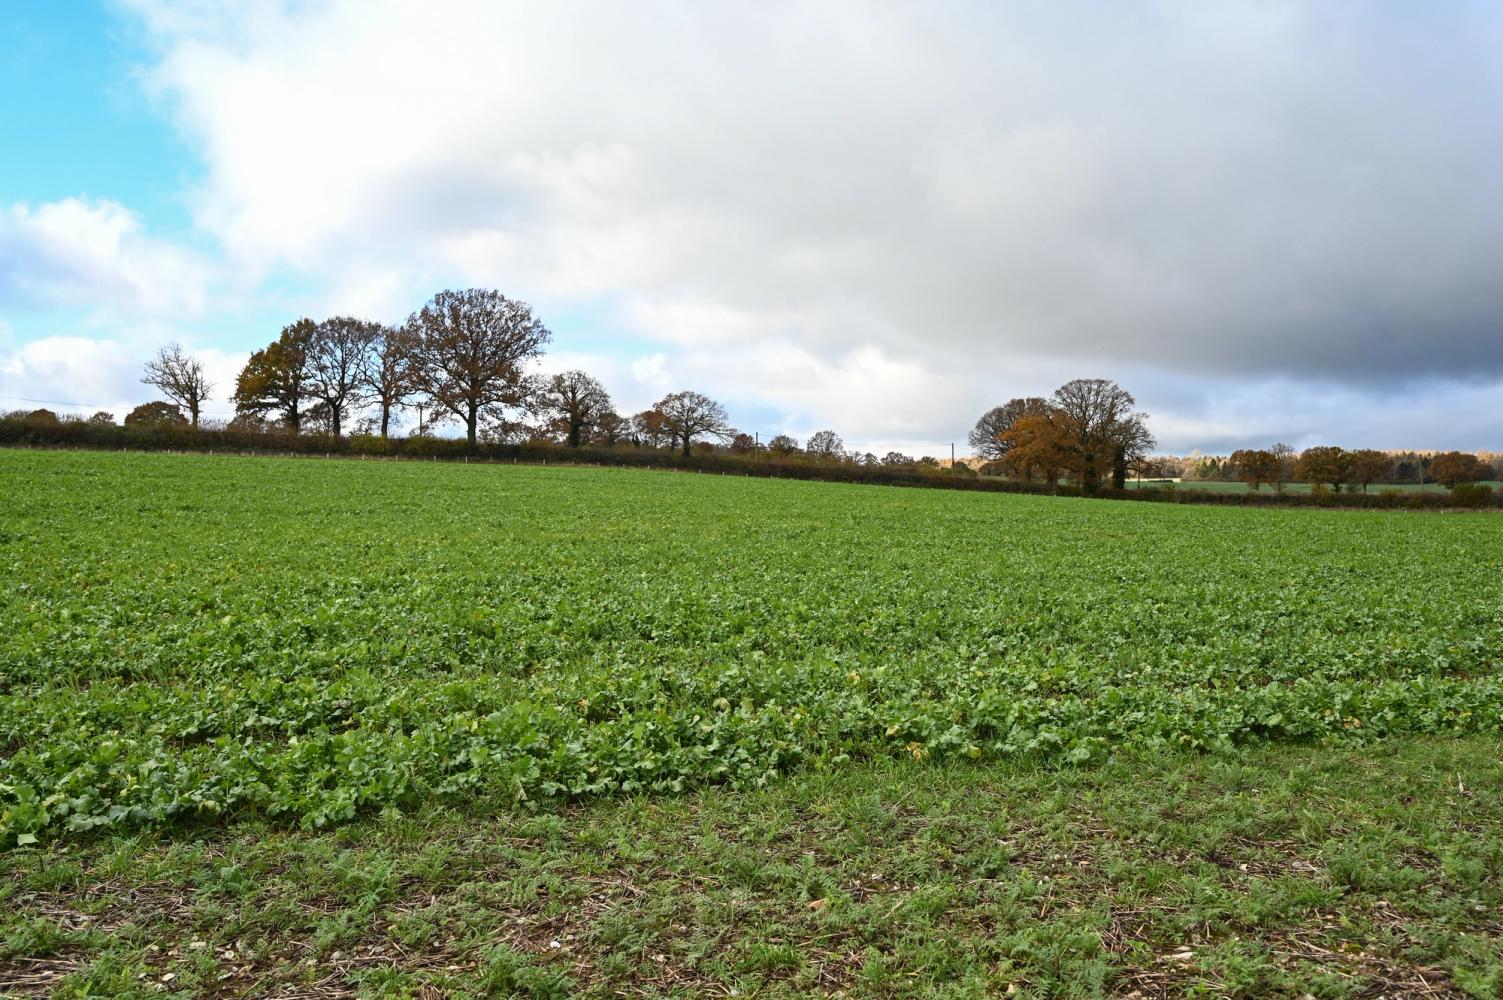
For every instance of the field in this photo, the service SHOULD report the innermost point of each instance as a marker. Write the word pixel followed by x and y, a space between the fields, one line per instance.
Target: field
pixel 404 727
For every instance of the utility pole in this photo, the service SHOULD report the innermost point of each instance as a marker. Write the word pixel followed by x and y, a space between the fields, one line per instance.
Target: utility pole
pixel 952 454
pixel 420 419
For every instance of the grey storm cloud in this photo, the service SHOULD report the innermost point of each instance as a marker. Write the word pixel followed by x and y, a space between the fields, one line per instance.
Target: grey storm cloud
pixel 1258 190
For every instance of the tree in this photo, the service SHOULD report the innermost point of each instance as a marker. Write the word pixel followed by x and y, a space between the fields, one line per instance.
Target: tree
pixel 181 378
pixel 339 362
pixel 473 345
pixel 392 373
pixel 1037 442
pixel 1324 464
pixel 1370 466
pixel 743 444
pixel 611 427
pixel 896 458
pixel 1098 428
pixel 1130 443
pixel 1255 466
pixel 825 445
pixel 156 414
pixel 1285 470
pixel 986 437
pixel 577 402
pixel 783 444
pixel 102 419
pixel 650 428
pixel 1452 467
pixel 275 380
pixel 688 415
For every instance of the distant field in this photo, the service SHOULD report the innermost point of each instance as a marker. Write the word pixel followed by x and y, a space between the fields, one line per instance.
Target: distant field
pixel 191 636
pixel 1290 487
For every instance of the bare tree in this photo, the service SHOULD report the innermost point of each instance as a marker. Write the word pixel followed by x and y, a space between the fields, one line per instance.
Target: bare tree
pixel 576 401
pixel 338 359
pixel 688 415
pixel 391 372
pixel 474 344
pixel 181 378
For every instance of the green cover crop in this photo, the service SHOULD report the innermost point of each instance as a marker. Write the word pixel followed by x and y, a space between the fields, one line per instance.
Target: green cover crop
pixel 196 637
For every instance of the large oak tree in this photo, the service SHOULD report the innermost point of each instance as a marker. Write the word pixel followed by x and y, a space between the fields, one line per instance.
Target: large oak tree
pixel 1100 430
pixel 577 403
pixel 688 415
pixel 275 381
pixel 474 345
pixel 392 372
pixel 338 360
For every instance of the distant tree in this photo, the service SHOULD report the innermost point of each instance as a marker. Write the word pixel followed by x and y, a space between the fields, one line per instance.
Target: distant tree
pixel 867 458
pixel 1370 466
pixel 1098 429
pixel 688 415
pixel 783 445
pixel 40 418
pixel 1452 467
pixel 1324 464
pixel 743 444
pixel 576 401
pixel 181 378
pixel 986 438
pixel 156 414
pixel 275 381
pixel 896 458
pixel 1130 443
pixel 392 372
pixel 473 346
pixel 339 363
pixel 1284 471
pixel 1255 466
pixel 249 423
pixel 611 428
pixel 650 428
pixel 102 419
pixel 825 445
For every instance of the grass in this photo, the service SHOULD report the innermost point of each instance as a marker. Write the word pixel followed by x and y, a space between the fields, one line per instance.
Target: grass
pixel 1273 873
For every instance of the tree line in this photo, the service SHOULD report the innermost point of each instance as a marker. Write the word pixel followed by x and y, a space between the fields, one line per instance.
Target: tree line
pixel 1337 468
pixel 463 357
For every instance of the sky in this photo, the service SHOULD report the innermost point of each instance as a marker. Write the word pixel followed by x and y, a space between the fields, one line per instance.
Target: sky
pixel 1271 221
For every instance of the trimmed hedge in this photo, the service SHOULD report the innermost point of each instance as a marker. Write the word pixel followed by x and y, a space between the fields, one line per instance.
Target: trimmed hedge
pixel 76 434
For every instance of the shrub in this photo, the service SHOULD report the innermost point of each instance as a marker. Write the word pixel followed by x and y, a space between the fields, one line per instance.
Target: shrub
pixel 1471 495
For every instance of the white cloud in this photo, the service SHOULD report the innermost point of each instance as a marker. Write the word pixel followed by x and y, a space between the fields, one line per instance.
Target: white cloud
pixel 78 253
